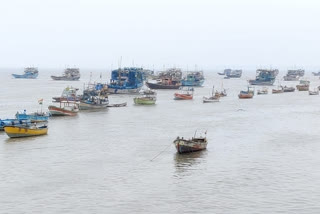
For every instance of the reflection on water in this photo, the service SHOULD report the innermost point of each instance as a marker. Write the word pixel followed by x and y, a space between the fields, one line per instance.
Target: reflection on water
pixel 189 162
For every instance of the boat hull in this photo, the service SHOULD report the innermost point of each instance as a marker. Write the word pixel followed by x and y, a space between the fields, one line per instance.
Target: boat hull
pixel 25 76
pixel 245 96
pixel 187 146
pixel 88 106
pixel 303 87
pixel 178 96
pixel 161 86
pixel 143 101
pixel 56 111
pixel 255 82
pixel 210 100
pixel 65 78
pixel 15 132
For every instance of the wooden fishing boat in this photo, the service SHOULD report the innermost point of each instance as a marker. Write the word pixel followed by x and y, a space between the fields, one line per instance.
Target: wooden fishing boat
pixel 118 105
pixel 25 130
pixel 163 85
pixel 288 89
pixel 94 102
pixel 148 97
pixel 314 92
pixel 33 117
pixel 303 85
pixel 246 94
pixel 68 94
pixel 263 91
pixel 190 145
pixel 215 97
pixel 184 94
pixel 277 91
pixel 66 108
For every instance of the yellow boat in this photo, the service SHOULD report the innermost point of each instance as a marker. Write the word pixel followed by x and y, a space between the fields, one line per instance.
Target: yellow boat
pixel 24 131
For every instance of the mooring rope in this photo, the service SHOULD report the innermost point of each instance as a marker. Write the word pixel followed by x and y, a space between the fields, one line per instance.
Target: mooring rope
pixel 161 152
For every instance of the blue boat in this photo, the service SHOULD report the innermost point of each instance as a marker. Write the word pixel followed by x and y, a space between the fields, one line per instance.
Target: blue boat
pixel 35 117
pixel 11 122
pixel 193 79
pixel 29 73
pixel 265 77
pixel 126 81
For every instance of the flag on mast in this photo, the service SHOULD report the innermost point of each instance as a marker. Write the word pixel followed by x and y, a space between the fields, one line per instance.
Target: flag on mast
pixel 40 101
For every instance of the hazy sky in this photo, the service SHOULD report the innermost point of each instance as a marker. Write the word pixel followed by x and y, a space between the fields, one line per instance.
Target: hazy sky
pixel 209 33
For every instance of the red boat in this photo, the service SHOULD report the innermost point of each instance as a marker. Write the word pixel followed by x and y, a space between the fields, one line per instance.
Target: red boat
pixel 185 94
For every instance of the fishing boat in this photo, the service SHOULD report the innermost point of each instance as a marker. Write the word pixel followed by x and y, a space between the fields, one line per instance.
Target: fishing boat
pixel 314 92
pixel 277 91
pixel 193 79
pixel 264 77
pixel 69 74
pixel 126 81
pixel 294 75
pixel 94 102
pixel 263 91
pixel 288 89
pixel 233 74
pixel 66 108
pixel 29 73
pixel 68 94
pixel 26 130
pixel 117 105
pixel 33 117
pixel 190 145
pixel 223 93
pixel 215 97
pixel 246 94
pixel 147 98
pixel 303 85
pixel 316 73
pixel 185 93
pixel 170 79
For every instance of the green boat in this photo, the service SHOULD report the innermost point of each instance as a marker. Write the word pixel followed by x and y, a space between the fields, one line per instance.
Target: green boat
pixel 149 97
pixel 147 100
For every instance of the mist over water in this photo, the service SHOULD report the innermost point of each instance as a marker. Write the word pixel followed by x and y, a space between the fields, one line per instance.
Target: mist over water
pixel 262 155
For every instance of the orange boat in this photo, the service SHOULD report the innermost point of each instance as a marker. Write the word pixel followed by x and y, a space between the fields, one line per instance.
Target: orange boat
pixel 185 94
pixel 246 94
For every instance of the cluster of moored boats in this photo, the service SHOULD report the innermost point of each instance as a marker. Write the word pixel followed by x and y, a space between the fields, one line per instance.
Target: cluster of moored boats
pixel 144 83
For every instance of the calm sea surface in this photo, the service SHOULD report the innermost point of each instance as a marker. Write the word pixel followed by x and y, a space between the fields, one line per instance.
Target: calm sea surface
pixel 263 154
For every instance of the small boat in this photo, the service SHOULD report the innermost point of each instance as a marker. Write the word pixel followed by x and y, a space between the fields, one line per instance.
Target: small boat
pixel 70 74
pixel 288 89
pixel 190 145
pixel 34 117
pixel 118 105
pixel 264 77
pixel 246 94
pixel 66 108
pixel 215 97
pixel 316 73
pixel 195 78
pixel 94 102
pixel 164 84
pixel 314 92
pixel 277 91
pixel 29 73
pixel 263 91
pixel 303 85
pixel 149 97
pixel 184 94
pixel 26 130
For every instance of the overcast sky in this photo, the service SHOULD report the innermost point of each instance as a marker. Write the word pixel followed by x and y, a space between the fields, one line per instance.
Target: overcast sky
pixel 209 33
